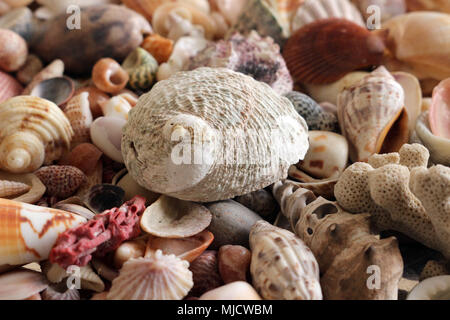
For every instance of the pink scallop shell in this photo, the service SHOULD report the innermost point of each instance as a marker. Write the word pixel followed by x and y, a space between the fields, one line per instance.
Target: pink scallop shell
pixel 439 115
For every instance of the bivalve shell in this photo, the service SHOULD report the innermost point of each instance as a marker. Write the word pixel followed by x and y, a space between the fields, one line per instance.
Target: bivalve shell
pixel 9 87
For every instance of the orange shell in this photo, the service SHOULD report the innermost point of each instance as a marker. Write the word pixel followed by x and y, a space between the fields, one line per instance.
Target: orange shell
pixel 109 76
pixel 84 157
pixel 159 47
pixel 326 50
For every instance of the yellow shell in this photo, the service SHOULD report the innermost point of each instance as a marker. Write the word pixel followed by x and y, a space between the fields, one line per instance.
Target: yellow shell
pixel 28 232
pixel 33 131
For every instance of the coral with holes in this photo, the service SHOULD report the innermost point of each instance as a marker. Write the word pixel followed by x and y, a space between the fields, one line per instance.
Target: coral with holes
pixel 344 245
pixel 401 194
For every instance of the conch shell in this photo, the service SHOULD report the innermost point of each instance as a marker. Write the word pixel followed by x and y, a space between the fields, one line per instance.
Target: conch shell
pixel 28 232
pixel 33 131
pixel 372 115
pixel 193 103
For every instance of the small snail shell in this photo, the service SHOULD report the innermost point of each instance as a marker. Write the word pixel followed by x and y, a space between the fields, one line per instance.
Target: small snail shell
pixel 109 76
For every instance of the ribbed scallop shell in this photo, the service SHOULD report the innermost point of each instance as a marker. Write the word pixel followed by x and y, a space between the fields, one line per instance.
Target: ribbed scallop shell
pixel 313 10
pixel 79 113
pixel 233 114
pixel 326 50
pixel 372 115
pixel 142 68
pixel 282 266
pixel 158 277
pixel 12 188
pixel 33 131
pixel 28 232
pixel 9 87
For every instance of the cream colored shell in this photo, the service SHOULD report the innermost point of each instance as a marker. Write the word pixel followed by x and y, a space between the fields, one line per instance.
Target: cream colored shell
pixel 244 136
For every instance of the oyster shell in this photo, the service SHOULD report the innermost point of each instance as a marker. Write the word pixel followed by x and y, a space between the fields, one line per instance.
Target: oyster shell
pixel 160 126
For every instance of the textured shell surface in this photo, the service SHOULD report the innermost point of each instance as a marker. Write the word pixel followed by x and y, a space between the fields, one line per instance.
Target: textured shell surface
pixel 141 67
pixel 282 266
pixel 369 110
pixel 28 232
pixel 36 191
pixel 79 113
pixel 217 106
pixel 9 87
pixel 33 131
pixel 252 55
pixel 61 181
pixel 158 277
pixel 313 10
pixel 12 188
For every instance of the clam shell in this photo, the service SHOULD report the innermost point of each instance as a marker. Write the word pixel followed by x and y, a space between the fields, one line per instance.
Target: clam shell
pixel 142 68
pixel 13 55
pixel 10 189
pixel 282 266
pixel 439 114
pixel 435 288
pixel 184 248
pixel 57 90
pixel 21 284
pixel 9 87
pixel 326 50
pixel 37 188
pixel 192 102
pixel 372 115
pixel 28 232
pixel 173 218
pixel 102 197
pixel 313 10
pixel 79 114
pixel 158 277
pixel 61 181
pixel 439 147
pixel 106 134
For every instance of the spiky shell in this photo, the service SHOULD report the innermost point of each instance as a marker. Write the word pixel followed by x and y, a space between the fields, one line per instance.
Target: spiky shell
pixel 326 50
pixel 61 181
pixel 368 111
pixel 142 68
pixel 313 10
pixel 79 113
pixel 282 266
pixel 158 277
pixel 216 105
pixel 28 232
pixel 33 131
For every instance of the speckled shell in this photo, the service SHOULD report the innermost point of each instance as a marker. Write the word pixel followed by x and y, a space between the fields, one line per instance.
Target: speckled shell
pixel 258 15
pixel 316 118
pixel 61 181
pixel 142 68
pixel 33 131
pixel 313 10
pixel 252 55
pixel 282 266
pixel 158 277
pixel 194 102
pixel 107 31
pixel 28 232
pixel 368 111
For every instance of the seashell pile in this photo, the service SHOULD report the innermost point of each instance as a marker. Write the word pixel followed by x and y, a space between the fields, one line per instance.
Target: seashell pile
pixel 225 149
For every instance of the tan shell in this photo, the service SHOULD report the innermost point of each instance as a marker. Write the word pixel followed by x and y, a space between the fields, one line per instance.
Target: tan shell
pixel 21 284
pixel 158 277
pixel 237 290
pixel 12 188
pixel 282 266
pixel 371 109
pixel 37 188
pixel 173 218
pixel 194 102
pixel 33 131
pixel 79 113
pixel 435 288
pixel 53 70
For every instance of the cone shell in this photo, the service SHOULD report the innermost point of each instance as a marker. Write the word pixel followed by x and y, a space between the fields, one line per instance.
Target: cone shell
pixel 79 114
pixel 33 131
pixel 12 188
pixel 61 181
pixel 439 115
pixel 35 191
pixel 282 266
pixel 21 284
pixel 372 116
pixel 326 50
pixel 194 101
pixel 158 277
pixel 28 232
pixel 9 87
pixel 313 10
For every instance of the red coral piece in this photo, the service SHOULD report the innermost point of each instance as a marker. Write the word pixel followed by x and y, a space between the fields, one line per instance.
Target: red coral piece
pixel 98 236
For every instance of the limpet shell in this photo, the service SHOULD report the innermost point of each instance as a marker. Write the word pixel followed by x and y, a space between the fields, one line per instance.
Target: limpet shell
pixel 172 218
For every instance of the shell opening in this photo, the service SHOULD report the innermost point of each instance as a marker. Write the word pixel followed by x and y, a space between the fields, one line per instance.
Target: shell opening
pixel 395 134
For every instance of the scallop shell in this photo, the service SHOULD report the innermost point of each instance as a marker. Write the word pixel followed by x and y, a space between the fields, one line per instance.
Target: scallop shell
pixel 28 232
pixel 313 10
pixel 12 188
pixel 79 114
pixel 36 187
pixel 33 131
pixel 9 87
pixel 173 218
pixel 142 68
pixel 439 115
pixel 158 277
pixel 439 147
pixel 194 101
pixel 282 266
pixel 326 50
pixel 372 115
pixel 20 284
pixel 61 181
